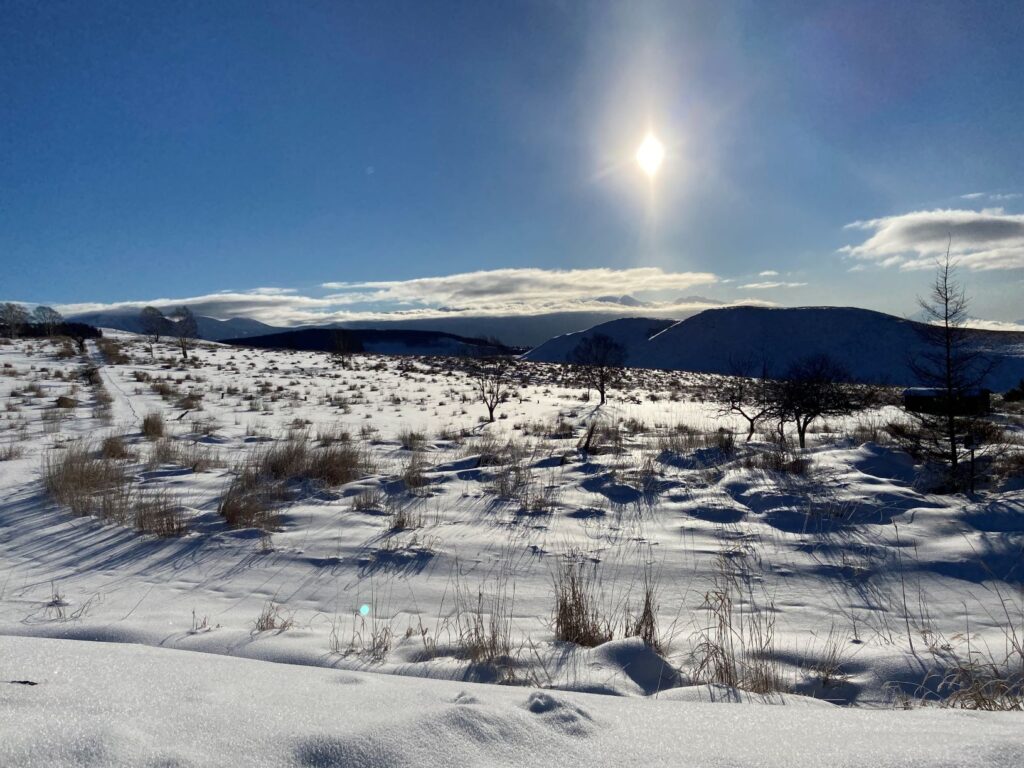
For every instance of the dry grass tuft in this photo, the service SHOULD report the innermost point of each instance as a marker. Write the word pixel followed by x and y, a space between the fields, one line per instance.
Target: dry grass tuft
pixel 645 623
pixel 114 448
pixel 271 618
pixel 153 426
pixel 578 618
pixel 85 482
pixel 156 513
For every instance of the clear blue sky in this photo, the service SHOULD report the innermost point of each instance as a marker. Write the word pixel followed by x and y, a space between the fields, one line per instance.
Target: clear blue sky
pixel 169 149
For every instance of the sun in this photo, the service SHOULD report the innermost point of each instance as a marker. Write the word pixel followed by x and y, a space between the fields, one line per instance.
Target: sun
pixel 650 155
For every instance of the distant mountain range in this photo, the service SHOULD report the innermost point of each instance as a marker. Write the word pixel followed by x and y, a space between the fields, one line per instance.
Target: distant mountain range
pixel 210 328
pixel 391 341
pixel 873 346
pixel 514 330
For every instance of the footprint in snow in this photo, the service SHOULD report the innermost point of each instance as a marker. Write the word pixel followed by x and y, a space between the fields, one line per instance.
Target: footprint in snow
pixel 559 714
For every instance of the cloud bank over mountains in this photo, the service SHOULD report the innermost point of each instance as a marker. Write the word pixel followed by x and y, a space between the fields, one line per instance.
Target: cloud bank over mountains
pixel 490 293
pixel 983 240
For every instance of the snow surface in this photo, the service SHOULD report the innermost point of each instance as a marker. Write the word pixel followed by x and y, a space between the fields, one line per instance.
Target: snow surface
pixel 184 709
pixel 852 559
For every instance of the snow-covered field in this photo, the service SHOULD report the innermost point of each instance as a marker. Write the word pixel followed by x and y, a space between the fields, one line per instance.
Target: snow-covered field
pixel 844 582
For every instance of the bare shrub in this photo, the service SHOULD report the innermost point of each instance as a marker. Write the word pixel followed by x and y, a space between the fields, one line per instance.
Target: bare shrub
pixel 979 677
pixel 1010 465
pixel 261 481
pixel 405 518
pixel 411 441
pixel 682 440
pixel 190 402
pixel 513 482
pixel 983 685
pixel 484 624
pixel 487 447
pixel 375 640
pixel 52 420
pixel 112 351
pixel 249 499
pixel 777 458
pixel 414 472
pixel 152 426
pixel 737 648
pixel 113 447
pixel 285 459
pixel 165 389
pixel 372 499
pixel 194 456
pixel 338 462
pixel 11 451
pixel 156 513
pixel 85 482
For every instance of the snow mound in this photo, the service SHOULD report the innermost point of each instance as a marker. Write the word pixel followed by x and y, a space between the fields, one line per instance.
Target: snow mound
pixel 123 705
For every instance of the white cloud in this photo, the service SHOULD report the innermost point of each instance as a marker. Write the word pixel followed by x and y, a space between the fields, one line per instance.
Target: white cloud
pixel 767 286
pixel 768 273
pixel 989 239
pixel 504 292
pixel 993 325
pixel 531 286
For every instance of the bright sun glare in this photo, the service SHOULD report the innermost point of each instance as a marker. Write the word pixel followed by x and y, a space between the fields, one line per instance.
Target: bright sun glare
pixel 650 155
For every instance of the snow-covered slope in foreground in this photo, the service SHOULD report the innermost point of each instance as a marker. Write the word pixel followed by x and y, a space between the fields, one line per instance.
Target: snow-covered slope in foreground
pixel 112 705
pixel 873 346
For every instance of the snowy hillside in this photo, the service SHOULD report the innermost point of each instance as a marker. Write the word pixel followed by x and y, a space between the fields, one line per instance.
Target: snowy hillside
pixel 266 557
pixel 633 333
pixel 874 346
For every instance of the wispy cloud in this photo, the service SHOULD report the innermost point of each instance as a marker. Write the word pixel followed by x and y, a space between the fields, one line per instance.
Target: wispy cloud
pixel 997 197
pixel 767 286
pixel 980 240
pixel 768 273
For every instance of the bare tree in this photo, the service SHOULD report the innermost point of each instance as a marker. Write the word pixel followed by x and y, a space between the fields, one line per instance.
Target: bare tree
pixel 344 344
pixel 185 329
pixel 13 317
pixel 600 358
pixel 47 318
pixel 813 387
pixel 154 325
pixel 747 394
pixel 492 382
pixel 950 364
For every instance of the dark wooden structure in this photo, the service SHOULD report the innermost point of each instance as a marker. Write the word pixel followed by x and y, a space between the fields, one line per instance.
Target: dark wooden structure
pixel 975 402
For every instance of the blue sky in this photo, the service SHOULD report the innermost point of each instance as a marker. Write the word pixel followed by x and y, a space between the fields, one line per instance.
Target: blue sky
pixel 303 160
